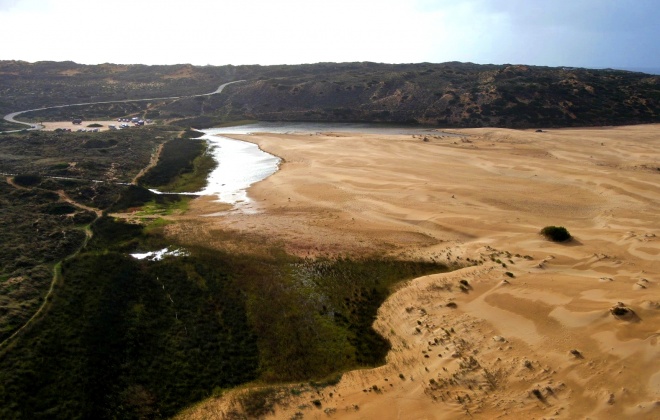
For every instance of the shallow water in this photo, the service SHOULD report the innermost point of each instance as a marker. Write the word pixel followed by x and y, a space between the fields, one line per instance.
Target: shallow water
pixel 240 164
pixel 309 127
pixel 159 255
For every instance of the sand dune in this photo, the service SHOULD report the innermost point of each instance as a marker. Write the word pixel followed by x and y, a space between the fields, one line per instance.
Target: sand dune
pixel 539 342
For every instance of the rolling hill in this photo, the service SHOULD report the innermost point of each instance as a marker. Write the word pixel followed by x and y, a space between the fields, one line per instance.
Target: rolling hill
pixel 448 94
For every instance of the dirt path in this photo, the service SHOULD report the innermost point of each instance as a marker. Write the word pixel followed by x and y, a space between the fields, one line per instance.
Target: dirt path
pixel 56 268
pixel 88 235
pixel 10 181
pixel 64 197
pixel 152 162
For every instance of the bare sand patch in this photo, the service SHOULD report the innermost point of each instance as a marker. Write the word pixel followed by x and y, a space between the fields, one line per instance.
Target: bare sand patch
pixel 52 126
pixel 540 342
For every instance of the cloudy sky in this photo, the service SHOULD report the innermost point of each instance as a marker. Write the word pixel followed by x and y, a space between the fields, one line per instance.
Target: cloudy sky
pixel 581 33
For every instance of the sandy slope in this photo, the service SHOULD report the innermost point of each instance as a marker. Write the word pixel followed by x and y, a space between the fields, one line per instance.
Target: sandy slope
pixel 482 198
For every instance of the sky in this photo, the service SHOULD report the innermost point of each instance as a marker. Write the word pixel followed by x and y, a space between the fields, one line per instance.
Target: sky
pixel 621 34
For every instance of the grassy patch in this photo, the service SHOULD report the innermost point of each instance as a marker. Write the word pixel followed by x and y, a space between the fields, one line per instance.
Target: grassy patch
pixel 183 167
pixel 317 319
pixel 155 226
pixel 136 198
pixel 195 180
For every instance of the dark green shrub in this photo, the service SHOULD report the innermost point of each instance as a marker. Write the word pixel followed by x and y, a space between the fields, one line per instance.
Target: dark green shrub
pixel 99 143
pixel 556 233
pixel 27 180
pixel 84 217
pixel 59 208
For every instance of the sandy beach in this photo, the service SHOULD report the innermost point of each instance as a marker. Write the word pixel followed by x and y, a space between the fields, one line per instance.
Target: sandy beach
pixel 525 329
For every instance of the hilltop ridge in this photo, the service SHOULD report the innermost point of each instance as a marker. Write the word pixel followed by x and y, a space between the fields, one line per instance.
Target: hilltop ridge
pixel 449 94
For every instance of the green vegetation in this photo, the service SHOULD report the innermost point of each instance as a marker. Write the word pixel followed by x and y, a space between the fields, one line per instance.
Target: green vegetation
pixel 556 233
pixel 317 318
pixel 40 228
pixel 189 133
pixel 139 199
pixel 260 402
pixel 36 231
pixel 183 166
pixel 7 126
pixel 106 156
pixel 135 339
pixel 95 125
pixel 127 340
pixel 27 180
pixel 448 94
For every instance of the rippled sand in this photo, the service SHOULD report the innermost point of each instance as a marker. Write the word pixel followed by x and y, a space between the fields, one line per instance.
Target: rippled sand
pixel 539 342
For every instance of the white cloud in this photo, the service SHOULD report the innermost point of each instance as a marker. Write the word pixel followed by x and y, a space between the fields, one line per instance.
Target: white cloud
pixel 296 31
pixel 7 4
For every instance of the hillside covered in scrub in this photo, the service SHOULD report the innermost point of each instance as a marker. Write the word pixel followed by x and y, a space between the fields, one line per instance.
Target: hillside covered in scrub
pixel 448 94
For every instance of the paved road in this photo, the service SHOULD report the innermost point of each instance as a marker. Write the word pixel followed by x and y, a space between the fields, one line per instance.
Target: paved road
pixel 12 117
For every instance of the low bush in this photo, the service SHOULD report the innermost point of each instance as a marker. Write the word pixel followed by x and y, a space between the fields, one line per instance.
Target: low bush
pixel 58 208
pixel 556 233
pixel 27 180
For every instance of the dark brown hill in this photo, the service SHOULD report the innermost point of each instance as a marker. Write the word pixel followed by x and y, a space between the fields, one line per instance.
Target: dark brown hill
pixel 447 94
